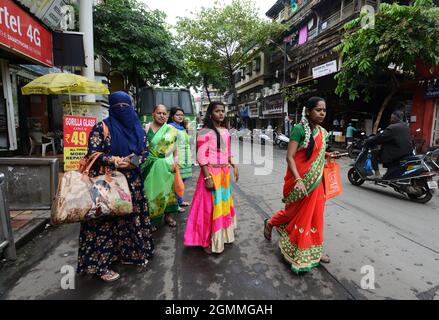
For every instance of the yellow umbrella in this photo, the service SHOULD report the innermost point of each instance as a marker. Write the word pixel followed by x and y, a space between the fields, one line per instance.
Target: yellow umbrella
pixel 64 83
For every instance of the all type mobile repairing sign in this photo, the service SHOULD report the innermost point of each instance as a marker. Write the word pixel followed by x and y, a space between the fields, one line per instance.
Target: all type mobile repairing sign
pixel 76 131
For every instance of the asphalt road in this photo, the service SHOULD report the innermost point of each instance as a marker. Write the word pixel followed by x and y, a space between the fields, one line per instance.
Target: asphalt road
pixel 366 226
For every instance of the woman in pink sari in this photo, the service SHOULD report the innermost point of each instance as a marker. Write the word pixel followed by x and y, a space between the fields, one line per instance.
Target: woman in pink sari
pixel 212 217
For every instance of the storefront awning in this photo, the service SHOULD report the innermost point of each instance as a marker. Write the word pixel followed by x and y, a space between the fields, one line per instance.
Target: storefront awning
pixel 23 36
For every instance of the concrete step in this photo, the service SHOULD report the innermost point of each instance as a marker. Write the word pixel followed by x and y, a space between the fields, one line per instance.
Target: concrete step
pixel 32 228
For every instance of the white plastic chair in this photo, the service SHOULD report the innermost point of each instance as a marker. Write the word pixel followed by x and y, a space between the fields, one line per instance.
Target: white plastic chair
pixel 37 139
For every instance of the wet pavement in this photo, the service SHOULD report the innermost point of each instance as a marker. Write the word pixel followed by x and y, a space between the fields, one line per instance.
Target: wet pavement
pixel 367 226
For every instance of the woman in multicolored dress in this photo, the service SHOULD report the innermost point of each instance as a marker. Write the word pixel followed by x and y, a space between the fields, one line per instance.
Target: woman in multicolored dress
pixel 125 239
pixel 159 168
pixel 212 218
pixel 176 119
pixel 301 222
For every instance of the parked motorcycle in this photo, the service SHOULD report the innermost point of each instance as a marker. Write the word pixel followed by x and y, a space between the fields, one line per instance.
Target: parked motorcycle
pixel 413 178
pixel 276 137
pixel 264 138
pixel 282 141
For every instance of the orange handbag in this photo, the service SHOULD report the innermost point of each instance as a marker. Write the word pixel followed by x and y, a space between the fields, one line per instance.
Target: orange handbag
pixel 178 183
pixel 332 179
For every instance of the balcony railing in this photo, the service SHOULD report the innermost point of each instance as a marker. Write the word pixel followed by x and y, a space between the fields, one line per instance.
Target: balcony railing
pixel 338 16
pixel 303 9
pixel 313 33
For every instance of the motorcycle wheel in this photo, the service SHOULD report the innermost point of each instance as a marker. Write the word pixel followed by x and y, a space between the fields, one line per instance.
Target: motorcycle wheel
pixel 283 145
pixel 353 154
pixel 354 177
pixel 424 198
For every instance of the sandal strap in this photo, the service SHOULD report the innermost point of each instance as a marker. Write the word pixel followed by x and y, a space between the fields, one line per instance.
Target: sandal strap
pixel 110 275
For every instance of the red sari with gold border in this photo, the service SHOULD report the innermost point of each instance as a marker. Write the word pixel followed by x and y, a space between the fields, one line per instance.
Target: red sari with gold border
pixel 301 222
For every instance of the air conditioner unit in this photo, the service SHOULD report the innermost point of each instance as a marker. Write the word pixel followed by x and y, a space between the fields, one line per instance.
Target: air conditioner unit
pixel 276 87
pixel 265 91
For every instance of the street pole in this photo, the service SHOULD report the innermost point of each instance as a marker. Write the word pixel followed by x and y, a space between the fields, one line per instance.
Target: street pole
pixel 284 80
pixel 86 26
pixel 285 63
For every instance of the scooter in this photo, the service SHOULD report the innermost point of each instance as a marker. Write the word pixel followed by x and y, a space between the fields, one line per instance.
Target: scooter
pixel 414 177
pixel 275 137
pixel 282 141
pixel 264 138
pixel 354 148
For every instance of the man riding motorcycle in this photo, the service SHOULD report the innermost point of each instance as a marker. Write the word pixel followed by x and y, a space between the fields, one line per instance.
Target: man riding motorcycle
pixel 395 141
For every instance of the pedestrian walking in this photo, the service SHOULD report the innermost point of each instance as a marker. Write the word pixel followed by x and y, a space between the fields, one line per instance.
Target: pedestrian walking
pixel 126 239
pixel 176 119
pixel 159 168
pixel 212 217
pixel 300 223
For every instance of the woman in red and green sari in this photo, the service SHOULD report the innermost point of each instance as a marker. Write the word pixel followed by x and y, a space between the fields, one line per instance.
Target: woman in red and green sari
pixel 301 222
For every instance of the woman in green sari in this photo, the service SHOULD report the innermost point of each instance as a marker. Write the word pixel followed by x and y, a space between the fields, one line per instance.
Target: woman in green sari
pixel 159 169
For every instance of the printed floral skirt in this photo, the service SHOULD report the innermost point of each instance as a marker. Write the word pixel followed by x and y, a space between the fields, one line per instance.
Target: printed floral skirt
pixel 109 239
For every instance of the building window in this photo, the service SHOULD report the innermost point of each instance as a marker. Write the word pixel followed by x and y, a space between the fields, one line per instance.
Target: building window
pixel 250 70
pixel 257 64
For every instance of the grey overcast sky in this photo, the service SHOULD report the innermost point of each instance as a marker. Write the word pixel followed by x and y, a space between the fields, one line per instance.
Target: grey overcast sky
pixel 175 8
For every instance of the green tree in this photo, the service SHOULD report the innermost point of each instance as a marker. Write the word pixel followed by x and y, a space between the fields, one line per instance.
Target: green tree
pixel 138 43
pixel 295 94
pixel 217 40
pixel 387 52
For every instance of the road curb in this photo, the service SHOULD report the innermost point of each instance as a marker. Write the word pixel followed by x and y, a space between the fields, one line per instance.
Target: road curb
pixel 29 231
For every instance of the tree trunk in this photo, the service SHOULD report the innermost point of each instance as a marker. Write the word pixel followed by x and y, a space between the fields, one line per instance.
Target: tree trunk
pixel 232 85
pixel 383 108
pixel 137 96
pixel 206 87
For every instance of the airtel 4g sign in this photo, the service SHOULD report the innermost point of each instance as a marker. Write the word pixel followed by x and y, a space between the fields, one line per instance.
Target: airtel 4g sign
pixel 21 33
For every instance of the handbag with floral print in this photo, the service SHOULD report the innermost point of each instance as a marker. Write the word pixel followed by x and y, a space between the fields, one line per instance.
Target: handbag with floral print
pixel 81 197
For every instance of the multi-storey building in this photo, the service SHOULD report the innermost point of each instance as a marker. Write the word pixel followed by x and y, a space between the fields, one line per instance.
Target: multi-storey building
pixel 315 28
pixel 306 57
pixel 254 85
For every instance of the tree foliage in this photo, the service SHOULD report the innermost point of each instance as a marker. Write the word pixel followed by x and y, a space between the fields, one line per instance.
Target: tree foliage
pixel 401 37
pixel 138 42
pixel 295 93
pixel 217 40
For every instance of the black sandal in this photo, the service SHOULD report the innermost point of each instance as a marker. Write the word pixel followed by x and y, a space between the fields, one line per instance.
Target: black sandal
pixel 267 234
